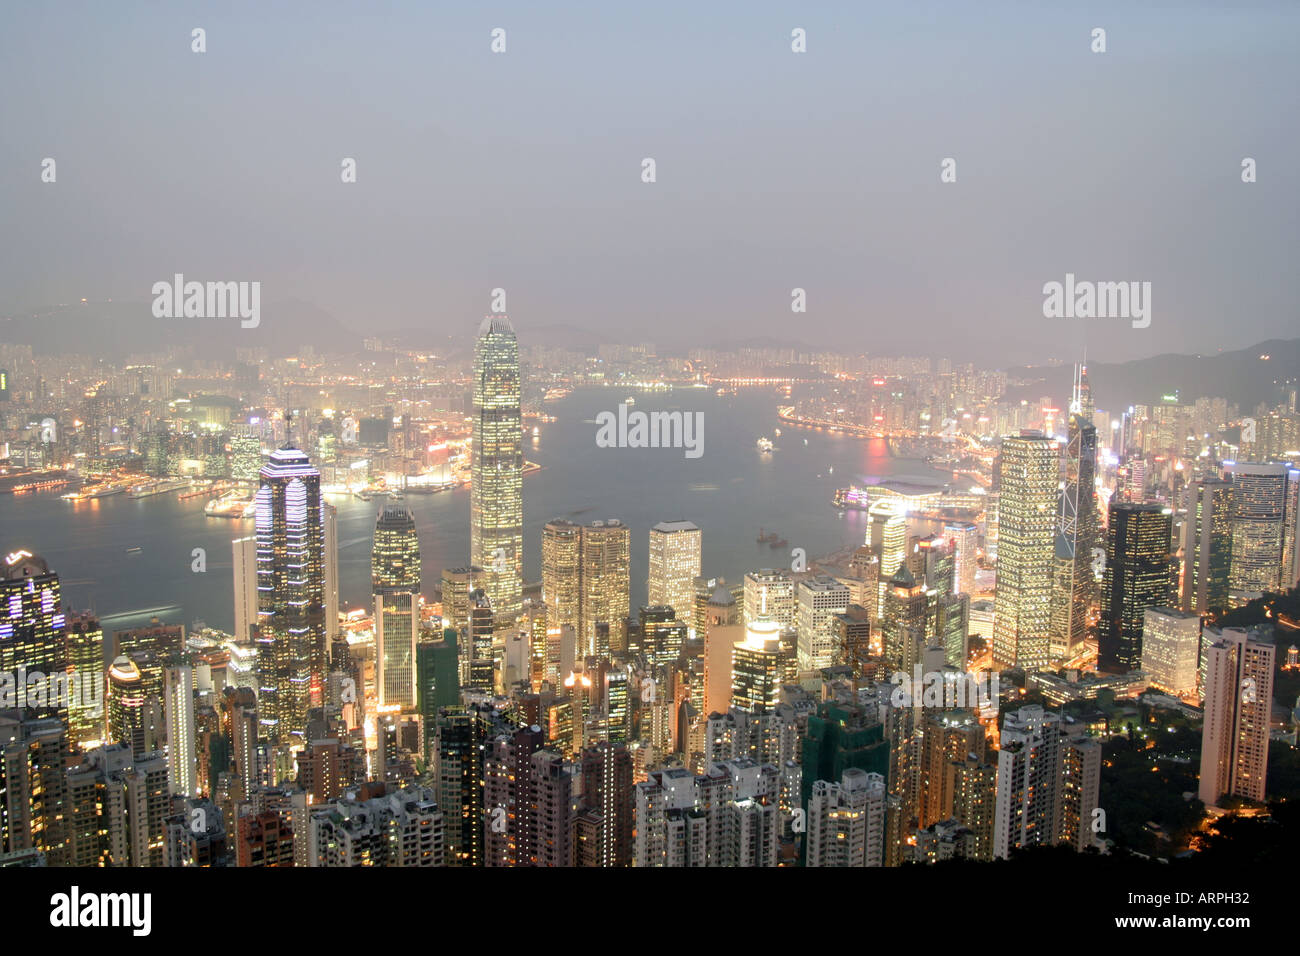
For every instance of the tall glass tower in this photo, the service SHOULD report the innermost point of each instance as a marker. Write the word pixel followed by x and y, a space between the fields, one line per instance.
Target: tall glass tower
pixel 291 633
pixel 395 577
pixel 496 508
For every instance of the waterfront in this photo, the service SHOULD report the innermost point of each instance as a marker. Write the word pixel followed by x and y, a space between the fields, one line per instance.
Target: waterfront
pixel 730 491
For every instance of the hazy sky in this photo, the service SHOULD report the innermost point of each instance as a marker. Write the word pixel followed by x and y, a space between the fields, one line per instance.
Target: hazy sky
pixel 775 170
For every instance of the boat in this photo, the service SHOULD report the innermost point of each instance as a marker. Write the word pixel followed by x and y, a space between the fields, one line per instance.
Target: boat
pixel 134 550
pixel 162 486
pixel 765 444
pixel 98 490
pixel 231 505
pixel 630 400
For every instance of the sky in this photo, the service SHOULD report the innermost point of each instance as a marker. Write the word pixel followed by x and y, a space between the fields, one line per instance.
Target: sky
pixel 775 170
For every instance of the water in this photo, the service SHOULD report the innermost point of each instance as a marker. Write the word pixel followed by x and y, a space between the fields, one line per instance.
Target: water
pixel 730 491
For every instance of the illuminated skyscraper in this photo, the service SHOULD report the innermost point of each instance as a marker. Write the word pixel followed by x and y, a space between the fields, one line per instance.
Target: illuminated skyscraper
pixel 1207 546
pixel 757 668
pixel 32 623
pixel 821 598
pixel 84 641
pixel 244 553
pixel 674 565
pixel 1171 650
pixel 395 582
pixel 1137 577
pixel 291 633
pixel 770 594
pixel 1238 702
pixel 496 477
pixel 562 573
pixel 1027 521
pixel 178 712
pixel 1077 534
pixel 887 536
pixel 965 537
pixel 1259 494
pixel 606 547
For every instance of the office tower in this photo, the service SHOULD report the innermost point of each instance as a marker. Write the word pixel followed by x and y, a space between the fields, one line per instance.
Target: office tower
pixel 722 630
pixel 378 827
pixel 457 585
pixel 887 537
pixel 163 641
pixel 905 620
pixel 757 668
pixel 1080 790
pixel 395 583
pixel 476 656
pixel 462 740
pixel 1238 702
pixel 244 552
pixel 965 538
pixel 32 623
pixel 855 637
pixel 728 816
pixel 1171 651
pixel 662 635
pixel 330 519
pixel 1291 533
pixel 135 703
pixel 178 712
pixel 603 828
pixel 674 565
pixel 933 560
pixel 606 550
pixel 947 737
pixel 1077 532
pixel 1258 510
pixel 291 632
pixel 437 683
pixel 846 821
pixel 240 726
pixel 84 648
pixel 496 505
pixel 821 598
pixel 1029 772
pixel 952 629
pixel 1026 547
pixel 1137 577
pixel 770 594
pixel 118 805
pixel 1206 539
pixel 245 457
pixel 562 573
pixel 33 788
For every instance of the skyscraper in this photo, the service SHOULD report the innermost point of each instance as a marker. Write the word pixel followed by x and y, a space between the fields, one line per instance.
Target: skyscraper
pixel 606 547
pixel 821 598
pixel 178 712
pixel 1238 702
pixel 1206 539
pixel 965 537
pixel 757 668
pixel 395 583
pixel 1027 522
pixel 497 465
pixel 562 573
pixel 1258 509
pixel 1077 533
pixel 674 565
pixel 291 633
pixel 1171 650
pixel 1137 577
pixel 32 623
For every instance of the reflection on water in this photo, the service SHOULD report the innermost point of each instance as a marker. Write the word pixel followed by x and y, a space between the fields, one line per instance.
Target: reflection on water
pixel 779 491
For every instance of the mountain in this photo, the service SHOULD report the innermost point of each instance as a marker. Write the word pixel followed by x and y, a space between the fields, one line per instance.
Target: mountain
pixel 1243 377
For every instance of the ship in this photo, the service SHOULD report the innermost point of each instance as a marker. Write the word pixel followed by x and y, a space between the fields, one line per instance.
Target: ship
pixel 765 444
pixel 231 505
pixel 98 490
pixel 148 488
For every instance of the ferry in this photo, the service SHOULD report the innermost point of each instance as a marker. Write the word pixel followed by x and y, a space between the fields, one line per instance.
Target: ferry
pixel 148 488
pixel 98 490
pixel 765 444
pixel 231 505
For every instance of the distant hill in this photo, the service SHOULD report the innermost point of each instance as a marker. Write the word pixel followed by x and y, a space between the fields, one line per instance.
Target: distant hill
pixel 117 329
pixel 1241 377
